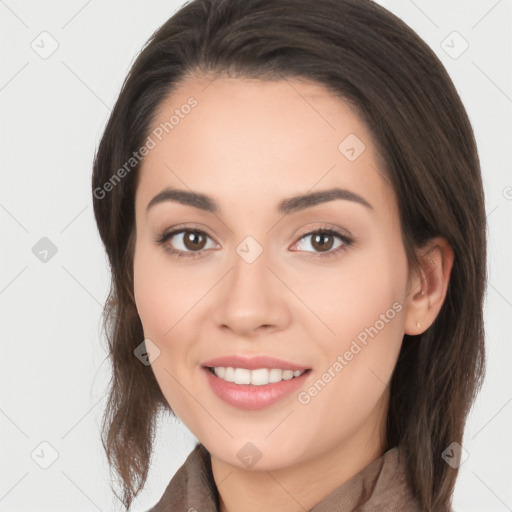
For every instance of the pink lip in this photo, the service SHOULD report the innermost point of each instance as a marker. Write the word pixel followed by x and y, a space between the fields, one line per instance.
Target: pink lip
pixel 249 396
pixel 253 363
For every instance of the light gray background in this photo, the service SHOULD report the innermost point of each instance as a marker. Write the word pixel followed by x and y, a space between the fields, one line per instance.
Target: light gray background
pixel 53 373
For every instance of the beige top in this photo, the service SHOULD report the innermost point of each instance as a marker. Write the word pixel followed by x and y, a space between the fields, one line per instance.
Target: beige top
pixel 379 487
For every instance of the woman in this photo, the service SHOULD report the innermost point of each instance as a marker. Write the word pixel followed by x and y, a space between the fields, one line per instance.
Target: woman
pixel 290 197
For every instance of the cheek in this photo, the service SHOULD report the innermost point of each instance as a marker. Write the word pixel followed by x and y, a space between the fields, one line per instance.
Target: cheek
pixel 162 300
pixel 151 297
pixel 160 294
pixel 362 306
pixel 353 296
pixel 168 301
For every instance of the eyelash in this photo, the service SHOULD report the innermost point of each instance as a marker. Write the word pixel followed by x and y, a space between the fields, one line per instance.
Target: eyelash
pixel 166 235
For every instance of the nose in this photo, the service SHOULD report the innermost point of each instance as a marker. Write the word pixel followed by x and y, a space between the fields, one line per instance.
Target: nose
pixel 252 299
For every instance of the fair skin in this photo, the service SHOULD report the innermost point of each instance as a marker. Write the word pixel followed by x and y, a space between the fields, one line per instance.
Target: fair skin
pixel 249 145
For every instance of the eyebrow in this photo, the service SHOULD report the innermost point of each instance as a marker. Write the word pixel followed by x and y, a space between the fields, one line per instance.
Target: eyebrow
pixel 290 205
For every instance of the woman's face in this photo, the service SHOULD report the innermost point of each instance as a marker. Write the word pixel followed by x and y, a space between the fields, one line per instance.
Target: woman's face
pixel 253 280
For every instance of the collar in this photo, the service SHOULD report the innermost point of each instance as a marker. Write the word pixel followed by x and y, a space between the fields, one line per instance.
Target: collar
pixel 379 487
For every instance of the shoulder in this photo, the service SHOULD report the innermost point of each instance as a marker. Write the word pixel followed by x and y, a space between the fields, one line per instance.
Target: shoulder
pixel 192 487
pixel 392 489
pixel 382 486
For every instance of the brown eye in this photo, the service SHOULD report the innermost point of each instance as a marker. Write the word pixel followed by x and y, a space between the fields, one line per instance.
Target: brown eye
pixel 194 240
pixel 322 242
pixel 185 243
pixel 325 242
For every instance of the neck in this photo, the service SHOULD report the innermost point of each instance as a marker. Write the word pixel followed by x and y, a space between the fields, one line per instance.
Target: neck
pixel 290 489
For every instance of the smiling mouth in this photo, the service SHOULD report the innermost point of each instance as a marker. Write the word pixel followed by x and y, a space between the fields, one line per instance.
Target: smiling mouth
pixel 257 377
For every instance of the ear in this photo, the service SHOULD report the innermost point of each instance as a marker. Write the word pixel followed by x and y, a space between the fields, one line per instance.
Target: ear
pixel 427 288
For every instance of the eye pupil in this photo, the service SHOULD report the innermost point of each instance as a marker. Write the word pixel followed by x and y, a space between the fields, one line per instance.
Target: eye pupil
pixel 322 245
pixel 192 240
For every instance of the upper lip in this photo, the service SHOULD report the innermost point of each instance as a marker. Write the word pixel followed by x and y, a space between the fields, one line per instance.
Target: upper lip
pixel 253 363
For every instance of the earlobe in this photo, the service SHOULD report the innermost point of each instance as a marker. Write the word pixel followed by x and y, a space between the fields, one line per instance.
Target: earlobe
pixel 429 288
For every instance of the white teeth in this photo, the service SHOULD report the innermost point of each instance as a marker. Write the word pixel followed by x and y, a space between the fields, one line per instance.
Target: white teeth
pixel 259 377
pixel 229 375
pixel 242 376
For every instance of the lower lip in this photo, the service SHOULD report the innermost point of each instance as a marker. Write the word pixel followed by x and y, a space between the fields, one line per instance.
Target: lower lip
pixel 251 397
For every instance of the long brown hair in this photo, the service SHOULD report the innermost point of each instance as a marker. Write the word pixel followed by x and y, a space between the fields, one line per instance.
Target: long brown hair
pixel 370 58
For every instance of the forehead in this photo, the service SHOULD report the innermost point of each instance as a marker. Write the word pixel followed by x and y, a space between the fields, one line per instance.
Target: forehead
pixel 255 137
